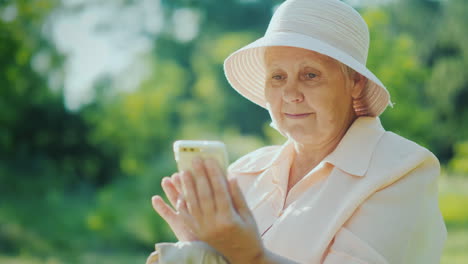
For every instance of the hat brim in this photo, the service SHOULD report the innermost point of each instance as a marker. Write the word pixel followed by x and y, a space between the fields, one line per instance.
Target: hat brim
pixel 245 70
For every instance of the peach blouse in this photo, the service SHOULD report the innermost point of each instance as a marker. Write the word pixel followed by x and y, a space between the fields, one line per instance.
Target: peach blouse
pixel 372 200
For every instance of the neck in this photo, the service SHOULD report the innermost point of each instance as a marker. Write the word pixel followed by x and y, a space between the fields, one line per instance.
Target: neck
pixel 309 155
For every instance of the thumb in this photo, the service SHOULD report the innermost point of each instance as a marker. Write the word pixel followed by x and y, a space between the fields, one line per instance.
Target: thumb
pixel 238 199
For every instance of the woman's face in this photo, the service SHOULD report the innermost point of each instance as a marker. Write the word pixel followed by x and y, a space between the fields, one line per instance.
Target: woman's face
pixel 308 94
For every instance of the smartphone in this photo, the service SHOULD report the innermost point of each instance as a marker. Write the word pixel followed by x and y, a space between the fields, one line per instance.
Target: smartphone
pixel 186 150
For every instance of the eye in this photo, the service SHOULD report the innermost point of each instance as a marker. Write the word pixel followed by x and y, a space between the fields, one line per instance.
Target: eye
pixel 277 77
pixel 310 75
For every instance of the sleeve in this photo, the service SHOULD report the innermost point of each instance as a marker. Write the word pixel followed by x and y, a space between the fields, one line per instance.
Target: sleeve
pixel 196 252
pixel 400 223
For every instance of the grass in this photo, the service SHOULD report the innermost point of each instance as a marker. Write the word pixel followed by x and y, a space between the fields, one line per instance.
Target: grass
pixel 85 258
pixel 456 248
pixel 453 199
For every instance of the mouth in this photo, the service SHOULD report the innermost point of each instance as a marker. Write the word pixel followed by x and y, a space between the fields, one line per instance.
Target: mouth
pixel 297 116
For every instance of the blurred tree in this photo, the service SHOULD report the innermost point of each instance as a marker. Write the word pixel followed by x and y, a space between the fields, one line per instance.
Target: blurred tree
pixel 441 35
pixel 459 164
pixel 185 94
pixel 392 57
pixel 41 144
pixel 44 149
pixel 138 126
pixel 227 26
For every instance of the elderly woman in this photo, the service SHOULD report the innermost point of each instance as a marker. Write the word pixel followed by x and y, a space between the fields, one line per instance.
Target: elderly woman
pixel 340 190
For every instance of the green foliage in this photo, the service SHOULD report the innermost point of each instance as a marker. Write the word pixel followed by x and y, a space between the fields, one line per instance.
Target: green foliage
pixel 42 145
pixel 459 163
pixel 139 124
pixel 438 29
pixel 125 206
pixel 392 57
pixel 45 158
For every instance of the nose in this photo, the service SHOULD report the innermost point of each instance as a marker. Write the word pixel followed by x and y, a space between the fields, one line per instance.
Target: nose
pixel 292 94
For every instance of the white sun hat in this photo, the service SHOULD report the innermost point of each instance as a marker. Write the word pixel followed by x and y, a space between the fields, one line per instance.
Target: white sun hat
pixel 329 27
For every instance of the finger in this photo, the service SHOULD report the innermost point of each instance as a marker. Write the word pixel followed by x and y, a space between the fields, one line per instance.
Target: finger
pixel 190 194
pixel 170 190
pixel 219 185
pixel 177 182
pixel 183 212
pixel 202 184
pixel 238 199
pixel 164 210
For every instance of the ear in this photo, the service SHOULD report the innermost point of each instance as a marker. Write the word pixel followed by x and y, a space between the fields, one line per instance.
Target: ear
pixel 358 82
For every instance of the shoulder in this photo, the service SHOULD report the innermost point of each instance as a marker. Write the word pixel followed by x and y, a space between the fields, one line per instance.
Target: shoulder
pixel 247 168
pixel 396 148
pixel 255 161
pixel 395 156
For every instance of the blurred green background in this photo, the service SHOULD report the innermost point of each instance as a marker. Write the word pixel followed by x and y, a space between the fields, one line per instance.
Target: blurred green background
pixel 94 92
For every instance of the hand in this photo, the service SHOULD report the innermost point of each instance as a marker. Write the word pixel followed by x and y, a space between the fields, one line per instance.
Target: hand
pixel 215 210
pixel 173 189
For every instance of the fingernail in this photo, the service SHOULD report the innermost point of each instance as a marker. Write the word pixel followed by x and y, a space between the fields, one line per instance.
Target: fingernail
pixel 176 176
pixel 178 203
pixel 155 197
pixel 184 176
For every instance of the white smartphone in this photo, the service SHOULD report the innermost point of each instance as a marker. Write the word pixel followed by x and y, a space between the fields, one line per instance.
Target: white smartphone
pixel 186 150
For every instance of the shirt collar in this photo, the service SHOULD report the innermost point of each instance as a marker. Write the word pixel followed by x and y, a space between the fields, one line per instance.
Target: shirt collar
pixel 354 152
pixel 283 154
pixel 352 155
